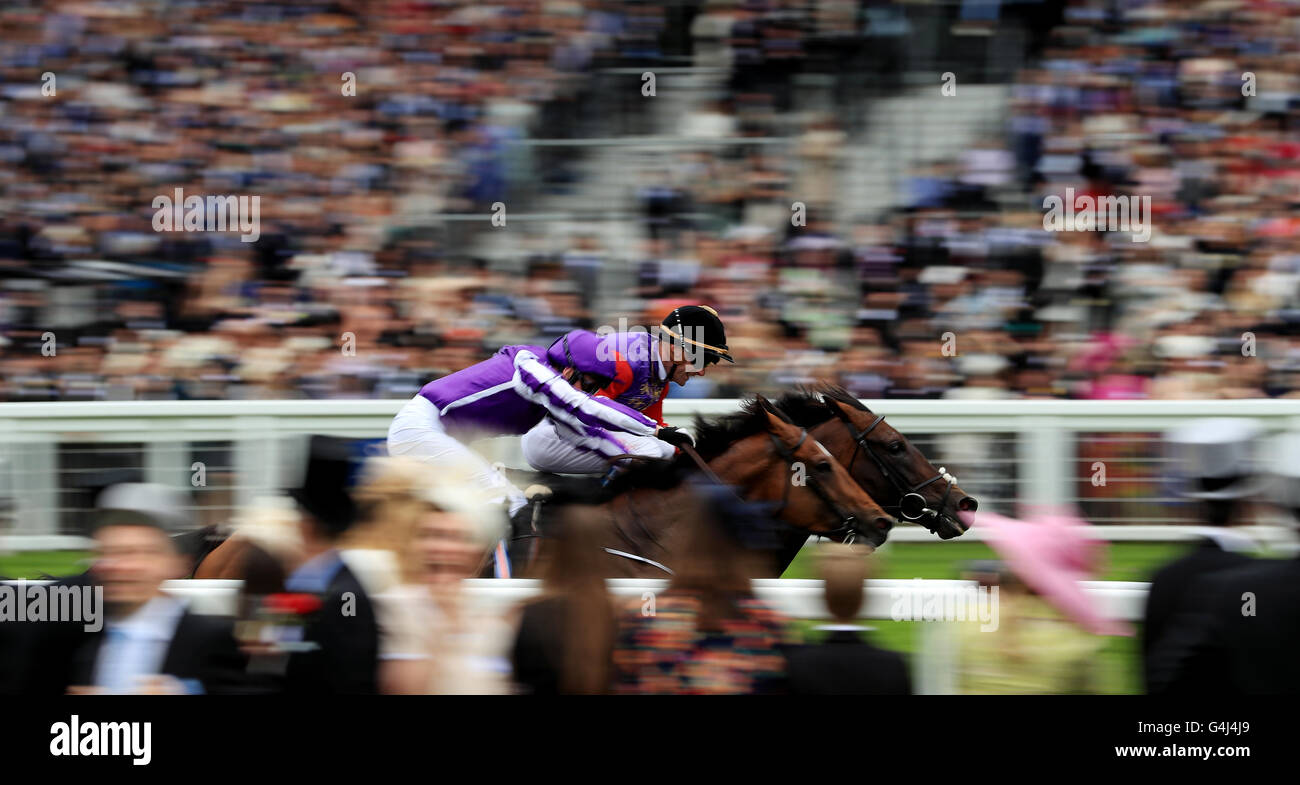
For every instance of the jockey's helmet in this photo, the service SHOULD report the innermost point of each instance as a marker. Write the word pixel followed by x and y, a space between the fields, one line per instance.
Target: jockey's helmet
pixel 699 331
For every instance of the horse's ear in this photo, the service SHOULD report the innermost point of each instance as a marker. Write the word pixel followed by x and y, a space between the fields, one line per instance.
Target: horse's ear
pixel 777 422
pixel 836 408
pixel 772 410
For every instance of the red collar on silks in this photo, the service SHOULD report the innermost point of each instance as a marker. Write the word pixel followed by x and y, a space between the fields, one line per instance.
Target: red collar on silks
pixel 1051 552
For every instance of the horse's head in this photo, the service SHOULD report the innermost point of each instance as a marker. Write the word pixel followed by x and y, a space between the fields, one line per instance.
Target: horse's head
pixel 785 465
pixel 891 469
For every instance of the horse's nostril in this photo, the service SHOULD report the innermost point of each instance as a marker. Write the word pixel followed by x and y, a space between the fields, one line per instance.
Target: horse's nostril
pixel 884 524
pixel 967 504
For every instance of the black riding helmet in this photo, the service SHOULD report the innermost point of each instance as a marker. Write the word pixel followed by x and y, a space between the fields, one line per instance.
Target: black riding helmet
pixel 697 329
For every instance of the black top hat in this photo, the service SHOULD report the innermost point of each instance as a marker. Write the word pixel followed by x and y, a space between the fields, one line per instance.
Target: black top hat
pixel 325 490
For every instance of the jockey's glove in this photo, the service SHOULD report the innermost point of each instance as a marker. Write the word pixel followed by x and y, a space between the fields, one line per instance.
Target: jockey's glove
pixel 674 436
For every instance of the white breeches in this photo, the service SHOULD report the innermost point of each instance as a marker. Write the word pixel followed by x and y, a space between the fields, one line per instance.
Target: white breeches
pixel 416 432
pixel 549 448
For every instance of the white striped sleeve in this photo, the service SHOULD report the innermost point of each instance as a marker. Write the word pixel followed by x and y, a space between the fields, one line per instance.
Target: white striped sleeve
pixel 536 381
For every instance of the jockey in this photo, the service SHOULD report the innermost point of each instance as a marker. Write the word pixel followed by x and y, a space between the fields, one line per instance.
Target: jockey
pixel 511 392
pixel 690 339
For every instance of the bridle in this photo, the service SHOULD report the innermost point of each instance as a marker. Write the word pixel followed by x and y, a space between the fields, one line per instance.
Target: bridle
pixel 911 504
pixel 848 528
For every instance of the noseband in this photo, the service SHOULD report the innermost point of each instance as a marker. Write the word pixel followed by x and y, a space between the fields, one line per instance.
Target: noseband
pixel 911 504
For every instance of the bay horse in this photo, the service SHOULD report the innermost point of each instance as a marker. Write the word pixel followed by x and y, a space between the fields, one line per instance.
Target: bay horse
pixel 880 459
pixel 768 460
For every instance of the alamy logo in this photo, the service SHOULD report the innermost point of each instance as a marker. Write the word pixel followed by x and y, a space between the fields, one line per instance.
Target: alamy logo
pixel 21 601
pixel 926 602
pixel 211 214
pixel 1102 214
pixel 74 737
pixel 633 350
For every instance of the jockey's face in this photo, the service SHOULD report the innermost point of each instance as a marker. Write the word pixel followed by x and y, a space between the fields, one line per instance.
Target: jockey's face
pixel 685 362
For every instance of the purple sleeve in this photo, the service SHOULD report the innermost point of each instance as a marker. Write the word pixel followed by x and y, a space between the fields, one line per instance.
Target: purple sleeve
pixel 535 381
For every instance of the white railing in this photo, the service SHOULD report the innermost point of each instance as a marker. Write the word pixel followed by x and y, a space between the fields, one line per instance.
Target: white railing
pixel 934 660
pixel 156 437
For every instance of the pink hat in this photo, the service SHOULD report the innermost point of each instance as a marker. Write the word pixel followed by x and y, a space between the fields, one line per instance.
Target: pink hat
pixel 1051 555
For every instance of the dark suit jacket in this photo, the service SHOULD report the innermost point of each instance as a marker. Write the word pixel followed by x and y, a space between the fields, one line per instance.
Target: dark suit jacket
pixel 1238 635
pixel 538 653
pixel 202 648
pixel 539 649
pixel 40 660
pixel 1170 585
pixel 347 661
pixel 846 663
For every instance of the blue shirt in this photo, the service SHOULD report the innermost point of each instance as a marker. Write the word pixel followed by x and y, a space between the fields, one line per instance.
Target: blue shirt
pixel 315 575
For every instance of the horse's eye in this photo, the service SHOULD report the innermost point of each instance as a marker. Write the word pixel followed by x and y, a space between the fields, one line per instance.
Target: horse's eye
pixel 896 447
pixel 824 467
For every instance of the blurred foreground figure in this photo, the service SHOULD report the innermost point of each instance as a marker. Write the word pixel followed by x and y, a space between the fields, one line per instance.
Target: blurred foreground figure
pixel 36 657
pixel 707 633
pixel 150 643
pixel 1212 458
pixel 1239 629
pixel 1043 635
pixel 340 633
pixel 565 639
pixel 845 662
pixel 435 641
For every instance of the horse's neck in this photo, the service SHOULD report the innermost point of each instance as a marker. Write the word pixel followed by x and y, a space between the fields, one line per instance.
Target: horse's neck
pixel 647 523
pixel 657 524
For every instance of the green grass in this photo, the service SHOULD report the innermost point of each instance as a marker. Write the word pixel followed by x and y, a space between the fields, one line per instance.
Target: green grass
pixel 37 564
pixel 1127 561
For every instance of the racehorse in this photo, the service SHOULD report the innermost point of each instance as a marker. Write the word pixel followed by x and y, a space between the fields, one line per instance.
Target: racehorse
pixel 769 460
pixel 881 460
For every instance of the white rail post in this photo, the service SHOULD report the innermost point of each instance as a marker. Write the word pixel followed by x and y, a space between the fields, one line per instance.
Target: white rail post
pixel 33 464
pixel 1046 462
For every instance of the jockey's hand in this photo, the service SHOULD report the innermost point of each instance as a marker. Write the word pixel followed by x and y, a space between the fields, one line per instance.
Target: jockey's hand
pixel 674 436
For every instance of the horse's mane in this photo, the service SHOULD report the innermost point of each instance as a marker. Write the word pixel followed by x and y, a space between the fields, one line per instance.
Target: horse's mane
pixel 802 406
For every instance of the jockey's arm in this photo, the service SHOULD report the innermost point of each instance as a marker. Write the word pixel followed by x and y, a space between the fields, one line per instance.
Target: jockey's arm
pixel 537 382
pixel 655 411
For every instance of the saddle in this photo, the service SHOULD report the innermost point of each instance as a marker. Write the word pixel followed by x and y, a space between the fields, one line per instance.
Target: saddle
pixel 547 493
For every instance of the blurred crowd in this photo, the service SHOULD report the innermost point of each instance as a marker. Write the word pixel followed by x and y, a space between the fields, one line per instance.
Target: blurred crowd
pixel 354 290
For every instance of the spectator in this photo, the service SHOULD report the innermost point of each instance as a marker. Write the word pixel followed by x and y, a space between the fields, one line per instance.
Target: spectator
pixel 1042 635
pixel 845 662
pixel 1213 461
pixel 435 640
pixel 151 642
pixel 1237 628
pixel 565 639
pixel 706 633
pixel 344 629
